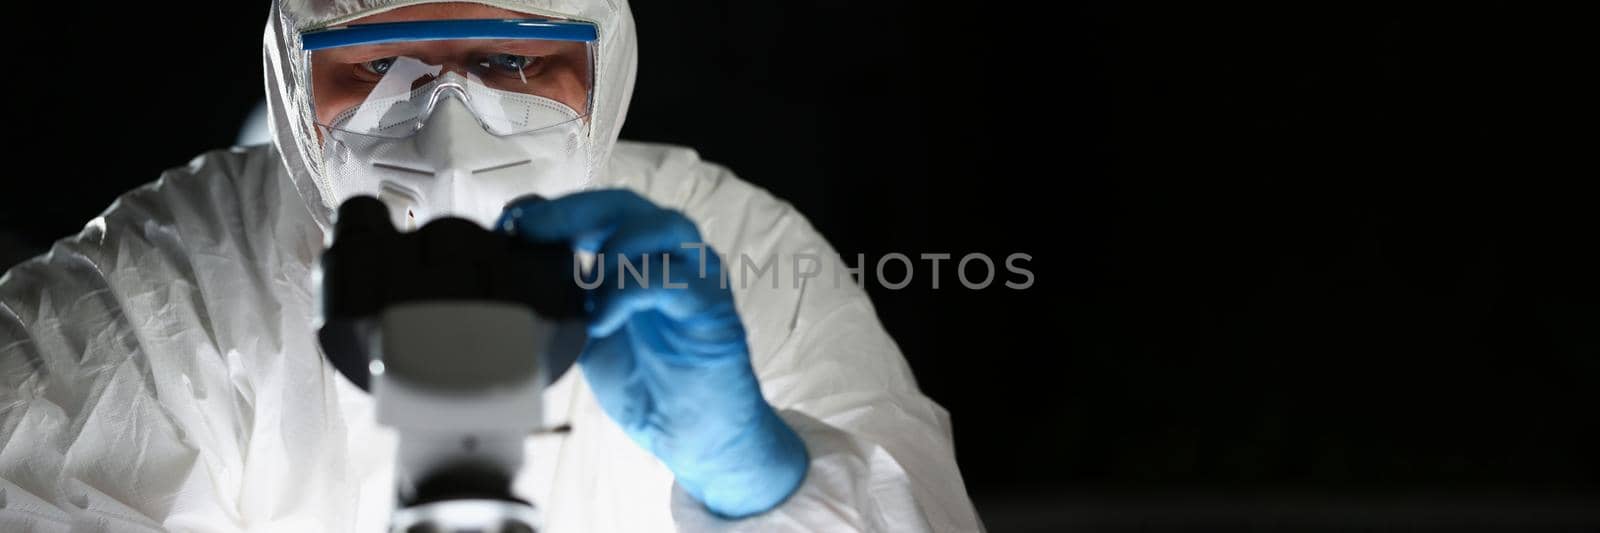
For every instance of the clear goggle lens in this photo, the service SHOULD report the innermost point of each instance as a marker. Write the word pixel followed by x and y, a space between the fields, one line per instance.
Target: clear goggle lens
pixel 388 88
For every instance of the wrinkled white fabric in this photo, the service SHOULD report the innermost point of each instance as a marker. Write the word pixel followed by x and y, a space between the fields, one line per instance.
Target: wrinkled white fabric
pixel 159 371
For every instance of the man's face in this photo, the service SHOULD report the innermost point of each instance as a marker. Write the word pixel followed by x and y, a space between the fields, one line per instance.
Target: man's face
pixel 342 78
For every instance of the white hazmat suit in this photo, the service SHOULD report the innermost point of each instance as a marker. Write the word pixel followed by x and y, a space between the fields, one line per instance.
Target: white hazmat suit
pixel 160 372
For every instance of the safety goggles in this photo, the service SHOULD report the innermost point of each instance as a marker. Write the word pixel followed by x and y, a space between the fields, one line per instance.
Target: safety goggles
pixel 516 75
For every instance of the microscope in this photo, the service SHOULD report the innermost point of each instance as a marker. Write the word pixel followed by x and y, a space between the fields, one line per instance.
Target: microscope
pixel 455 331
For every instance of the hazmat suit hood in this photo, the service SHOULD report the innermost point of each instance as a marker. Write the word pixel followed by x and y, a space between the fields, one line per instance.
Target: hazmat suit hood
pixel 289 96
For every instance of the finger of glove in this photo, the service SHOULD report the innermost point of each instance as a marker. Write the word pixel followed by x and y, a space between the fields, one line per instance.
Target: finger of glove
pixel 652 243
pixel 674 287
pixel 583 218
pixel 662 231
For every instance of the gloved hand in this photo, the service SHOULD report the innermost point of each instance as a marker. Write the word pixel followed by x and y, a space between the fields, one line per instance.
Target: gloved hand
pixel 667 359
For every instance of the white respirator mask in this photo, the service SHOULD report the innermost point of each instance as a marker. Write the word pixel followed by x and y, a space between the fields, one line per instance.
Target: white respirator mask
pixel 442 127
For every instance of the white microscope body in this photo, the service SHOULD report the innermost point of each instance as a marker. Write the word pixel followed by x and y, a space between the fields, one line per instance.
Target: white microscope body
pixel 455 331
pixel 461 419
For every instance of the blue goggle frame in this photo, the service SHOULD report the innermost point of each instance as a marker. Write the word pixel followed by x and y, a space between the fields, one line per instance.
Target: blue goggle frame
pixel 440 30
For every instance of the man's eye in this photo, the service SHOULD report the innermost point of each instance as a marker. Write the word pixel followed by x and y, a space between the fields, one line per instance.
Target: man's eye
pixel 378 66
pixel 509 63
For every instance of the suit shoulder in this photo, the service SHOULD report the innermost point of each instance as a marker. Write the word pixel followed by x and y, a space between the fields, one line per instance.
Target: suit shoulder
pixel 678 177
pixel 145 229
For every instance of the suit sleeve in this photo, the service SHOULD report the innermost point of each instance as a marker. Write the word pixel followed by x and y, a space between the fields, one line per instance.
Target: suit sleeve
pixel 89 440
pixel 145 374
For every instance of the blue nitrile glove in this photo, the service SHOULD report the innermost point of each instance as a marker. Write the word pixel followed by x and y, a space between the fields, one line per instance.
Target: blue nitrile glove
pixel 669 363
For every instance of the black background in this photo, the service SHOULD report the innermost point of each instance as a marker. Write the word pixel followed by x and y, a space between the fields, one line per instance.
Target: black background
pixel 1326 251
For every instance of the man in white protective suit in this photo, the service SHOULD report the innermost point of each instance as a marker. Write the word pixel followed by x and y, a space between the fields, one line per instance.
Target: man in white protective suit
pixel 160 371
